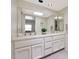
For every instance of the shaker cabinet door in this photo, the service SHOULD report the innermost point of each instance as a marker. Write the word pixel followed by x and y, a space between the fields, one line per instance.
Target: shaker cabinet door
pixel 58 44
pixel 23 53
pixel 37 51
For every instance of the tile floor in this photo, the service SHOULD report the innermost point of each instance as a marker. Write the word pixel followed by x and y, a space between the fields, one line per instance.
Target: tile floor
pixel 59 55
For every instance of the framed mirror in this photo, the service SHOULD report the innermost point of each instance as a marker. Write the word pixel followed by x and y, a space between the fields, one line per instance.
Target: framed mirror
pixel 59 24
pixel 29 24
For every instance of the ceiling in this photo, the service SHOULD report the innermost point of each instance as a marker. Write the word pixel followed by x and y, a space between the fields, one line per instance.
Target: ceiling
pixel 46 13
pixel 31 12
pixel 30 8
pixel 55 5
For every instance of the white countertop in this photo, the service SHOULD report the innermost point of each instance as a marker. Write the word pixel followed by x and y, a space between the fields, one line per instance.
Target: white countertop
pixel 37 36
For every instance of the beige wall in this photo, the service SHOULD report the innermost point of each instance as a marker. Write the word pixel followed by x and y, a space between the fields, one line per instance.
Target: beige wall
pixel 66 22
pixel 13 24
pixel 14 19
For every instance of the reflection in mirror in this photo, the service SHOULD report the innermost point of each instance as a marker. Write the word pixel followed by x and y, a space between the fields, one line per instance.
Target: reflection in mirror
pixel 59 24
pixel 28 27
pixel 56 23
pixel 29 24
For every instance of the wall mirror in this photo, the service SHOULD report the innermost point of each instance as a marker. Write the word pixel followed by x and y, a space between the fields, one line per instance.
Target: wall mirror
pixel 59 25
pixel 29 24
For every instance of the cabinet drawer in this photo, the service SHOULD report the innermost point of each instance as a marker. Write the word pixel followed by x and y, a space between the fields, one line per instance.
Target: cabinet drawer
pixel 48 51
pixel 58 37
pixel 47 39
pixel 25 43
pixel 59 40
pixel 48 45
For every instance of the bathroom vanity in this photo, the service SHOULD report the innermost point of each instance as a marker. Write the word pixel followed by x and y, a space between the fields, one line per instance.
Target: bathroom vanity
pixel 35 47
pixel 37 36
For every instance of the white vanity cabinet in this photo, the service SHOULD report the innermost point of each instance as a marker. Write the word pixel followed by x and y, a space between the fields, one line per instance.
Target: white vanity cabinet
pixel 37 47
pixel 37 51
pixel 29 49
pixel 23 53
pixel 58 42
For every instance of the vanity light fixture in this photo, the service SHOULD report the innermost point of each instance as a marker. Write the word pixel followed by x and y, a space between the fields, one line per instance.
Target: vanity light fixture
pixel 59 17
pixel 38 13
pixel 29 17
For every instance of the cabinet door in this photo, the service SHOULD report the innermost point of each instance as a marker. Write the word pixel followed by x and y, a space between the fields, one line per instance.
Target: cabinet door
pixel 48 51
pixel 58 44
pixel 37 51
pixel 61 44
pixel 23 53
